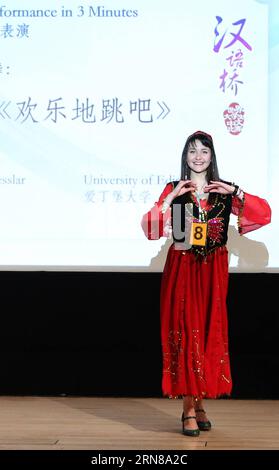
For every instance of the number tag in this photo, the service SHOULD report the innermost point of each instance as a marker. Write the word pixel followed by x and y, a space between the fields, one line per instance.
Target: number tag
pixel 198 233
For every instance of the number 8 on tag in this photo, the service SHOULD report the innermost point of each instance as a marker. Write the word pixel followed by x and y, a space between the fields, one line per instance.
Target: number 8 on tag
pixel 198 233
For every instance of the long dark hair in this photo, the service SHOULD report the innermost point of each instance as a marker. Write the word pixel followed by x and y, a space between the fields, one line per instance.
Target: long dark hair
pixel 212 173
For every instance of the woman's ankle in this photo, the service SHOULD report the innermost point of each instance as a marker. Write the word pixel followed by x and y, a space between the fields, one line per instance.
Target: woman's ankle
pixel 188 406
pixel 198 404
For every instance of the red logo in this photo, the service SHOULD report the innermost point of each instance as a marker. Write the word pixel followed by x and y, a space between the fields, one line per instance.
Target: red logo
pixel 234 118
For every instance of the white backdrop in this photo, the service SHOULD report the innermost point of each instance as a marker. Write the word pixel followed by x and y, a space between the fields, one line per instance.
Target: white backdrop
pixel 96 102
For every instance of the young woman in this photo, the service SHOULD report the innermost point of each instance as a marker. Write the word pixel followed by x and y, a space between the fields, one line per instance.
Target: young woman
pixel 194 330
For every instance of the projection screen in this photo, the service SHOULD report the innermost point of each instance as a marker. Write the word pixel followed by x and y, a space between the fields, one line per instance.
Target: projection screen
pixel 97 100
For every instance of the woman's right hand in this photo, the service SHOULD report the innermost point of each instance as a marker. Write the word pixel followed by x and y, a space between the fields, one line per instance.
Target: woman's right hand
pixel 184 186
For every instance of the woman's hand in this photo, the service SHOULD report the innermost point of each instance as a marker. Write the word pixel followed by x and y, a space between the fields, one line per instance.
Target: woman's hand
pixel 219 187
pixel 184 186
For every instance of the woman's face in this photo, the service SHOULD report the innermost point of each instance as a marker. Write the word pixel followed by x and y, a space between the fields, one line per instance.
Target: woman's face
pixel 198 156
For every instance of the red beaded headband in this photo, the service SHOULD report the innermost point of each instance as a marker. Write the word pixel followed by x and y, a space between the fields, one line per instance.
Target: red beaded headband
pixel 201 132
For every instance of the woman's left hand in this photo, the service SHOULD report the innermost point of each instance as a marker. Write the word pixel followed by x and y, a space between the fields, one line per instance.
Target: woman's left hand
pixel 219 187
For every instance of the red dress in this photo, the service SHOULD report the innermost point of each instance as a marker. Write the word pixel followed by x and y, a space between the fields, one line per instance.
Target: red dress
pixel 194 327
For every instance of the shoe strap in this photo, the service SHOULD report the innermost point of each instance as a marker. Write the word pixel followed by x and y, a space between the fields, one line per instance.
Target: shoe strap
pixel 188 417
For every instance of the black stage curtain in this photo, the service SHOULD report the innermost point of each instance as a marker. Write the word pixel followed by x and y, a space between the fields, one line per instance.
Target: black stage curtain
pixel 92 333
